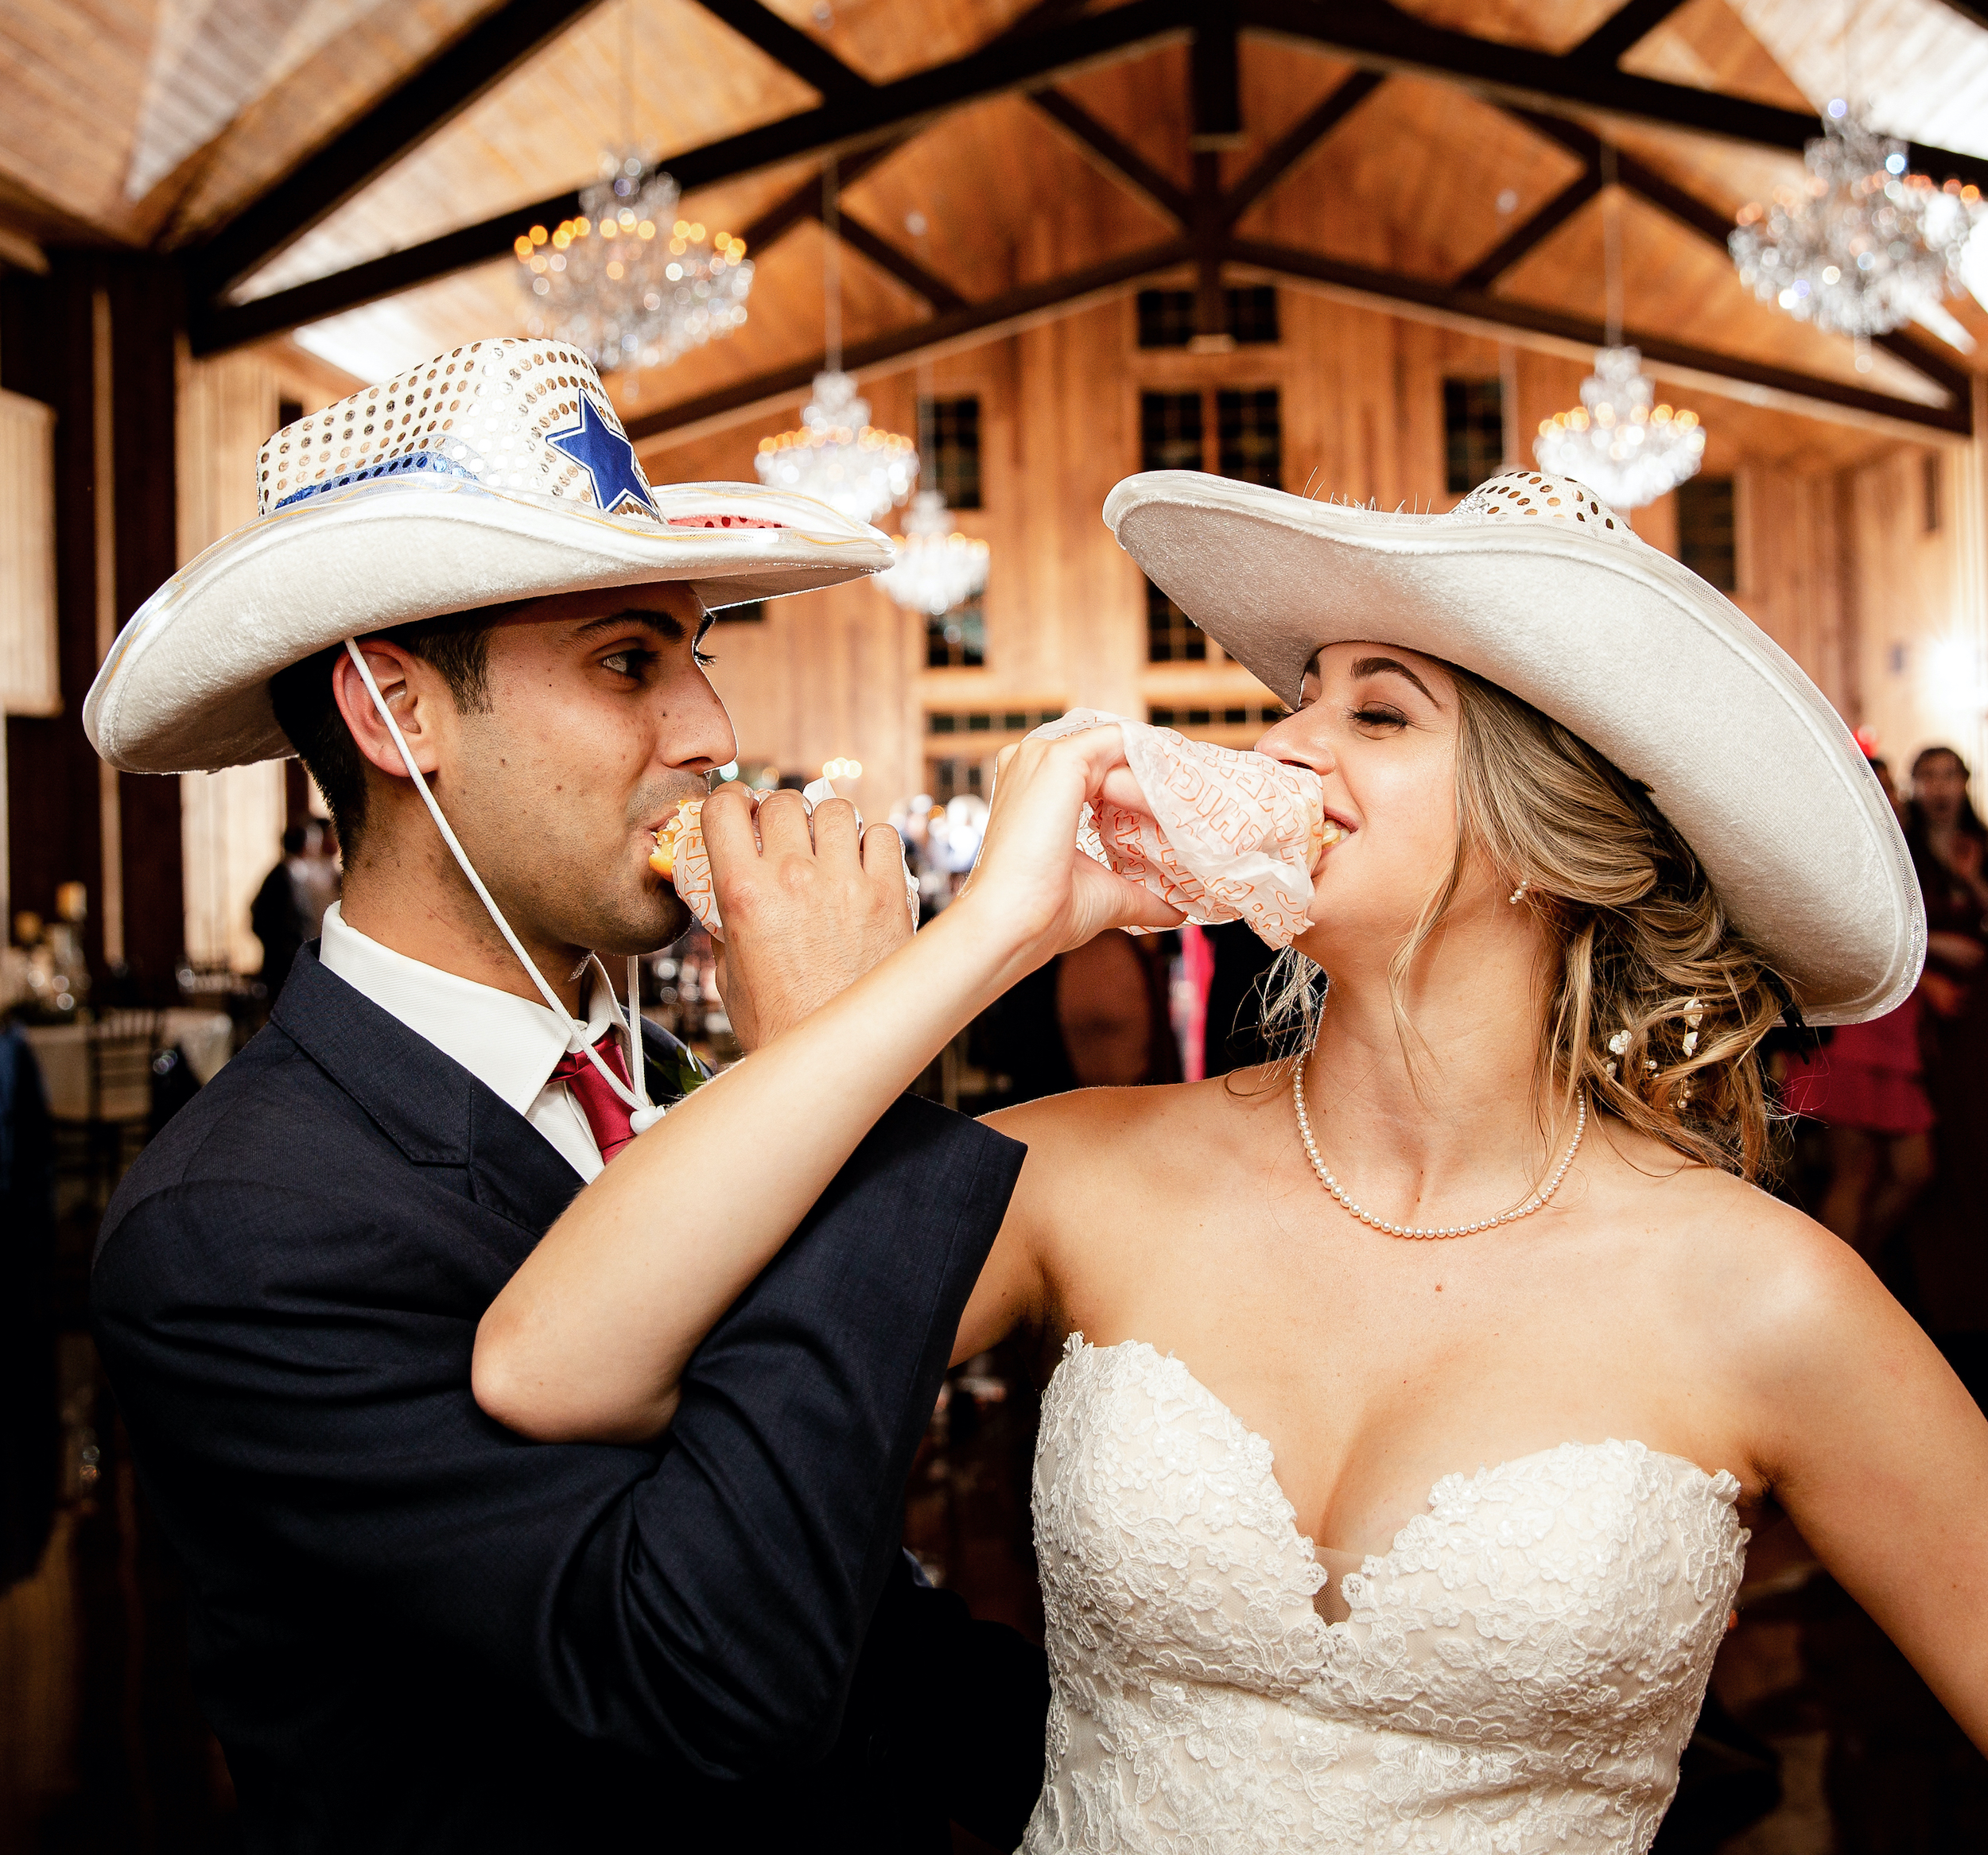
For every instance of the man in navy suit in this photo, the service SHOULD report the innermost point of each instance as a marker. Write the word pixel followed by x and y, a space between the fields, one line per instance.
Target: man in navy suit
pixel 414 1629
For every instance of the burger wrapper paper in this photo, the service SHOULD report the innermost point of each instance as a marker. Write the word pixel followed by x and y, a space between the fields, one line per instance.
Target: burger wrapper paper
pixel 1228 836
pixel 681 858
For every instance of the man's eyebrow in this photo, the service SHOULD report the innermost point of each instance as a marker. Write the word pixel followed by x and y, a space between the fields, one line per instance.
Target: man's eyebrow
pixel 1370 666
pixel 666 627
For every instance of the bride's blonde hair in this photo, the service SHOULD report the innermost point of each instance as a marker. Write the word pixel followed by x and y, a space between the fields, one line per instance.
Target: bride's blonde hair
pixel 1658 1004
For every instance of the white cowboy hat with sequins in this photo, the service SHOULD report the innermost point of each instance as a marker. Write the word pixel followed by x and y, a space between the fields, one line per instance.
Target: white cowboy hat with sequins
pixel 1534 584
pixel 498 471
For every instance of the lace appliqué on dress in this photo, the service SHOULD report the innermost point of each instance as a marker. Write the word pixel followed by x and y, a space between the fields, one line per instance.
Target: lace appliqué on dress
pixel 1518 1674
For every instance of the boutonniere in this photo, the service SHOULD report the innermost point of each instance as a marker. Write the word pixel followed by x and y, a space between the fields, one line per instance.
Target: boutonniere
pixel 679 1072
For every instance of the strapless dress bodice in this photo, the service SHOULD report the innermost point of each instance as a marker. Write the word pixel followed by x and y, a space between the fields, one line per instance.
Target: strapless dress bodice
pixel 1518 1674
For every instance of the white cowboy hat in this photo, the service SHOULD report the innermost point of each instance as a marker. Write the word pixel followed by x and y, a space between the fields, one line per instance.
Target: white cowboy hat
pixel 497 472
pixel 1535 585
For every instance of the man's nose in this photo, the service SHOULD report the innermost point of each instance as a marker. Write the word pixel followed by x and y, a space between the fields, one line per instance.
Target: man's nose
pixel 697 734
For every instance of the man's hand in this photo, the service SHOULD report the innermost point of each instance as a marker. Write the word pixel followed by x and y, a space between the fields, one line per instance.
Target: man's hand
pixel 807 909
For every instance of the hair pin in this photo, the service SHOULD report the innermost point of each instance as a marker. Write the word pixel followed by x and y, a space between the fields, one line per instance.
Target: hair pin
pixel 1518 895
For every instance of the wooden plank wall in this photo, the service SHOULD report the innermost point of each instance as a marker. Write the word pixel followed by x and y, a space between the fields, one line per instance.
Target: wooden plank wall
pixel 1833 562
pixel 840 673
pixel 230 822
pixel 1921 600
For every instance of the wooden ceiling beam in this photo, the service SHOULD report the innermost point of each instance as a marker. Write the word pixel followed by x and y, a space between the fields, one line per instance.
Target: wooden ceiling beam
pixel 1634 176
pixel 1383 37
pixel 1119 159
pixel 1215 123
pixel 428 97
pixel 966 327
pixel 804 201
pixel 1377 36
pixel 1295 143
pixel 1393 290
pixel 1043 12
pixel 808 59
pixel 976 323
pixel 838 127
pixel 1715 226
pixel 1536 230
pixel 934 289
pixel 1215 115
pixel 1622 30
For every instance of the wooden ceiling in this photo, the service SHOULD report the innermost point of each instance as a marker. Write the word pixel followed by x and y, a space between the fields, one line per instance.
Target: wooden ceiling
pixel 1420 167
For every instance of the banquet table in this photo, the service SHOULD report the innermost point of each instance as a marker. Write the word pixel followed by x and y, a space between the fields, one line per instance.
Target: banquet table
pixel 60 1049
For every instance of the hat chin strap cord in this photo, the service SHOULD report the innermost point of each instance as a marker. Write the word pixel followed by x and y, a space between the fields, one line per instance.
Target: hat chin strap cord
pixel 643 1115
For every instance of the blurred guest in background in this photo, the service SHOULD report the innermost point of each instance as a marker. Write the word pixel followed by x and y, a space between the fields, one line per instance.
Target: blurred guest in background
pixel 1232 1036
pixel 1946 838
pixel 28 1428
pixel 1094 1017
pixel 288 909
pixel 1866 1086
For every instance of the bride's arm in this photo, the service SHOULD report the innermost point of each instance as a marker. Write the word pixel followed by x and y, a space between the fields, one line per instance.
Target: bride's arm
pixel 590 1337
pixel 1876 1450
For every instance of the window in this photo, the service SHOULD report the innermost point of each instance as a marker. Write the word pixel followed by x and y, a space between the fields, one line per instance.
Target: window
pixel 288 412
pixel 1170 429
pixel 1249 435
pixel 1252 316
pixel 752 611
pixel 1705 530
pixel 1015 721
pixel 1167 317
pixel 1929 490
pixel 958 640
pixel 1250 445
pixel 1261 716
pixel 1170 438
pixel 947 778
pixel 1472 432
pixel 951 463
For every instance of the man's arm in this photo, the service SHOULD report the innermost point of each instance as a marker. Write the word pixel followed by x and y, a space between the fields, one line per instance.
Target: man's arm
pixel 296 1371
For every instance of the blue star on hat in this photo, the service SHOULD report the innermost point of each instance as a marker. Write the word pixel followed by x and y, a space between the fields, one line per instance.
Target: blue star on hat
pixel 607 458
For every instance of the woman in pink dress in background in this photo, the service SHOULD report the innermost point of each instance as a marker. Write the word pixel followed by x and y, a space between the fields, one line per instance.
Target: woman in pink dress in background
pixel 1867 1087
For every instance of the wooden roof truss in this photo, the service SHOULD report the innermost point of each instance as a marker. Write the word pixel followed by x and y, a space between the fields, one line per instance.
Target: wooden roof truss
pixel 858 123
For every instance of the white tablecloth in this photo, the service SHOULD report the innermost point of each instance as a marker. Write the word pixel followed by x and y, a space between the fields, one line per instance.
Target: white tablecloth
pixel 65 1072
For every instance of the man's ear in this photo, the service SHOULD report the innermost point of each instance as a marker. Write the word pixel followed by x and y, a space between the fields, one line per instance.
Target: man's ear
pixel 411 692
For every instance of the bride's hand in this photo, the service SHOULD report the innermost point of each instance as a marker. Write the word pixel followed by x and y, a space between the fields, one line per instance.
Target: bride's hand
pixel 1030 875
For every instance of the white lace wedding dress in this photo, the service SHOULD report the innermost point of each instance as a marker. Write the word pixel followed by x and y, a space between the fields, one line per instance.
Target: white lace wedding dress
pixel 1518 1675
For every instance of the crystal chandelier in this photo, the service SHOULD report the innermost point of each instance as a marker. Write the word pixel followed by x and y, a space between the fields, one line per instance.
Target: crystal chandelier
pixel 937 567
pixel 1861 245
pixel 630 282
pixel 836 456
pixel 1624 448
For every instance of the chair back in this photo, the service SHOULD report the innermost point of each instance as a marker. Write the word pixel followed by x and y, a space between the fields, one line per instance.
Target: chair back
pixel 120 1047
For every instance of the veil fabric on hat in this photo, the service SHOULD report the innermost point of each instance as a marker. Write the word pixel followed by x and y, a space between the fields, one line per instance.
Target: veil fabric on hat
pixel 1534 583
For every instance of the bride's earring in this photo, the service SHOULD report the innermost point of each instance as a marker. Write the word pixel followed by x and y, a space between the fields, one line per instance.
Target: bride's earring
pixel 1518 895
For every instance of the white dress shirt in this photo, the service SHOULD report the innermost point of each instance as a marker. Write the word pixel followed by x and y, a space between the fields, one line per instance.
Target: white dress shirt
pixel 510 1044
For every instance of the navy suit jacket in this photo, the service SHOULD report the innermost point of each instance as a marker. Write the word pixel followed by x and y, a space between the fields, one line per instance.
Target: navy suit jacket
pixel 414 1629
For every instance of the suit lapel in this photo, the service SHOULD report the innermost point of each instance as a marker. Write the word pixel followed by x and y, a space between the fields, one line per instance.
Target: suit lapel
pixel 427 1104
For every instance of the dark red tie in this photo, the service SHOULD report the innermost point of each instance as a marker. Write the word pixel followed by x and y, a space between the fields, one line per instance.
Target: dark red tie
pixel 606 1112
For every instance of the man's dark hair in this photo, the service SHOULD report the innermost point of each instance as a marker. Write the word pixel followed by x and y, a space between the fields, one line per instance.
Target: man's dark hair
pixel 457 644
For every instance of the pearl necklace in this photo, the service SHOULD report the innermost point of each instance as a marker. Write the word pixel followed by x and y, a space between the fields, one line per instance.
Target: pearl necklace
pixel 1367 1217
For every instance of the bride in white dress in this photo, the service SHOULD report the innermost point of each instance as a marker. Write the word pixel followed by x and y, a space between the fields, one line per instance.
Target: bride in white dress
pixel 1414 1395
